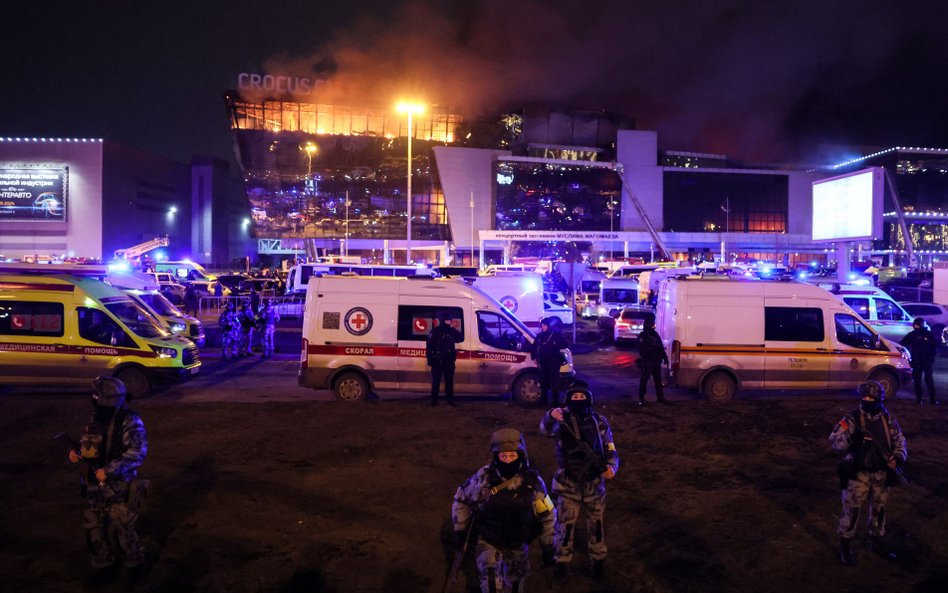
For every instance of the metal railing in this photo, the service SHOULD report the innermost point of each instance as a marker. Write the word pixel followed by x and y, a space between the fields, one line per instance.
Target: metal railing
pixel 286 306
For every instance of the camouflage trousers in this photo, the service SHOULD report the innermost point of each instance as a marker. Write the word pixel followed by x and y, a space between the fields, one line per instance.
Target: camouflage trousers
pixel 229 340
pixel 572 498
pixel 110 527
pixel 266 339
pixel 246 341
pixel 866 485
pixel 502 570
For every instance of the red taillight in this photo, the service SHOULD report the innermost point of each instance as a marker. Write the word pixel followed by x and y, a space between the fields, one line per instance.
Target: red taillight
pixel 622 324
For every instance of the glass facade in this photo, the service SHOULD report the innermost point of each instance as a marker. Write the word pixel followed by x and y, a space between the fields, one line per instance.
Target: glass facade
pixel 533 195
pixel 300 161
pixel 697 202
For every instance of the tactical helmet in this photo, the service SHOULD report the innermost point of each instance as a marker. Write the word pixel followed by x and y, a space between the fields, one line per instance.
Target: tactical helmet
pixel 919 322
pixel 508 439
pixel 579 386
pixel 873 390
pixel 550 321
pixel 108 392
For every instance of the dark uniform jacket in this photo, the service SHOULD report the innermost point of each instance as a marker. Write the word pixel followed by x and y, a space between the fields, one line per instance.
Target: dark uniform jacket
pixel 922 345
pixel 440 344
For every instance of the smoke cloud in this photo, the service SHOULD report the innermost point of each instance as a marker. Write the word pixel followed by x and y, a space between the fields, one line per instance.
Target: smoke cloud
pixel 764 80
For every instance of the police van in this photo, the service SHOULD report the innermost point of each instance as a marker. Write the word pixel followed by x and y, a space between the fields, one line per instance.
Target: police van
pixel 68 329
pixel 368 334
pixel 724 334
pixel 876 307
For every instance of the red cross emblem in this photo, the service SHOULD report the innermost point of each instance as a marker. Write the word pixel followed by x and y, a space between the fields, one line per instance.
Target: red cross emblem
pixel 358 321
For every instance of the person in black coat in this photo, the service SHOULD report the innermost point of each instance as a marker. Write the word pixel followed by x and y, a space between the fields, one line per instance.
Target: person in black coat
pixel 651 356
pixel 441 353
pixel 923 346
pixel 547 353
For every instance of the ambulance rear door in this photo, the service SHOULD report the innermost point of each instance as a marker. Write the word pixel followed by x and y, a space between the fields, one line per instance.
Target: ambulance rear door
pixel 417 316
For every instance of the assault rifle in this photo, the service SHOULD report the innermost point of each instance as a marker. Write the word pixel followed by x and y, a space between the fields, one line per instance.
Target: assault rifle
pixel 888 454
pixel 598 461
pixel 452 576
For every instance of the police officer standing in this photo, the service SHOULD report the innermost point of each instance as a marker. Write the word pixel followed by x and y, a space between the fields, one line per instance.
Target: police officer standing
pixel 230 332
pixel 923 346
pixel 268 320
pixel 509 502
pixel 587 457
pixel 547 352
pixel 441 353
pixel 875 449
pixel 113 448
pixel 651 356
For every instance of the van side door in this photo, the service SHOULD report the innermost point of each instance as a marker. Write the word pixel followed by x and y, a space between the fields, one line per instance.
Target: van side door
pixel 797 351
pixel 415 323
pixel 99 341
pixel 856 350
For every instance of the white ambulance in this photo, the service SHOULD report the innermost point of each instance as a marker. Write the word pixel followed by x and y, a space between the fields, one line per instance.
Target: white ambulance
pixel 724 334
pixel 520 292
pixel 368 334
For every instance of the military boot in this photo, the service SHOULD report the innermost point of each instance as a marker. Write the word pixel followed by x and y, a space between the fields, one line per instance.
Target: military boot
pixel 560 574
pixel 846 555
pixel 599 570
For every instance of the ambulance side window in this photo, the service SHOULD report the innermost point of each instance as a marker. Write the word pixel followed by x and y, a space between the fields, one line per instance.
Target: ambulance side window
pixel 415 322
pixel 852 332
pixel 495 330
pixel 859 305
pixel 23 318
pixel 886 310
pixel 96 326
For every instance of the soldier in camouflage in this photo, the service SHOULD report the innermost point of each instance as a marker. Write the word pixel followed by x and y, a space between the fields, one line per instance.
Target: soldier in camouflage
pixel 113 447
pixel 875 449
pixel 246 322
pixel 587 457
pixel 230 332
pixel 508 501
pixel 268 319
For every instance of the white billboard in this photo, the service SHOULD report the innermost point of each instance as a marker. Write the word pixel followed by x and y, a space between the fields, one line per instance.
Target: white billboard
pixel 849 207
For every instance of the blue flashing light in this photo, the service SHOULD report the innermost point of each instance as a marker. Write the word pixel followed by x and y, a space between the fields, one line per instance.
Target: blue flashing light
pixel 861 282
pixel 531 285
pixel 118 266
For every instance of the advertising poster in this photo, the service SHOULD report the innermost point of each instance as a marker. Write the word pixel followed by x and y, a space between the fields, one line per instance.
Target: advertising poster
pixel 33 194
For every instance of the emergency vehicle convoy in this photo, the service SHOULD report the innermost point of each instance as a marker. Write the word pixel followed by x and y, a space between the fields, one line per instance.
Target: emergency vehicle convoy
pixel 723 334
pixel 368 334
pixel 68 329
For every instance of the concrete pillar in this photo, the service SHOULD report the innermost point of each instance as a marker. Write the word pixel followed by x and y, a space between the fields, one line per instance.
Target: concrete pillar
pixel 386 253
pixel 842 261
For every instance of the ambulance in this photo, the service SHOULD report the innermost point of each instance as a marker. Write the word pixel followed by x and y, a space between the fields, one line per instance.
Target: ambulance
pixel 520 292
pixel 724 334
pixel 364 334
pixel 144 290
pixel 66 329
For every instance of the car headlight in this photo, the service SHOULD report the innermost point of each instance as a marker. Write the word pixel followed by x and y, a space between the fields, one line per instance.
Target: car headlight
pixel 163 352
pixel 177 327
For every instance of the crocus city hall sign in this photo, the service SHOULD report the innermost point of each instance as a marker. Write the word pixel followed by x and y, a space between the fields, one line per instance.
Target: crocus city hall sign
pixel 294 85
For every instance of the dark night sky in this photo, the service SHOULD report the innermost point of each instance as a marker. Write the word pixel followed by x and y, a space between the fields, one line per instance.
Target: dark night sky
pixel 759 80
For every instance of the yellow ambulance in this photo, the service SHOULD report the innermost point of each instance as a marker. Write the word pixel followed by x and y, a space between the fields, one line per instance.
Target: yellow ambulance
pixel 63 329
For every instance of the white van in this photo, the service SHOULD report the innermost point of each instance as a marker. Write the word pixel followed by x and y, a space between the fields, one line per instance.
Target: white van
pixel 722 335
pixel 520 292
pixel 876 307
pixel 368 334
pixel 615 295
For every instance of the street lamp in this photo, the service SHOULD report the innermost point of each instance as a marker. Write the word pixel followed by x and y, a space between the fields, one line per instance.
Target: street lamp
pixel 411 109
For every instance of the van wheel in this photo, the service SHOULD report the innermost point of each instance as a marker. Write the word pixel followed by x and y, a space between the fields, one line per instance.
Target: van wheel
pixel 888 381
pixel 719 387
pixel 136 382
pixel 351 386
pixel 526 388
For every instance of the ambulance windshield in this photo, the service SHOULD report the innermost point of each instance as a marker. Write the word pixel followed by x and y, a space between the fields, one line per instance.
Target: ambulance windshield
pixel 137 320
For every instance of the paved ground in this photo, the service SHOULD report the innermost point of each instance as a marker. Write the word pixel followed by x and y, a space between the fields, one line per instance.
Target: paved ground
pixel 259 486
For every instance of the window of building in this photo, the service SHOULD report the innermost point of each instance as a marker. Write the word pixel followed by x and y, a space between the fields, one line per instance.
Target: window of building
pixel 719 202
pixel 415 322
pixel 793 324
pixel 28 318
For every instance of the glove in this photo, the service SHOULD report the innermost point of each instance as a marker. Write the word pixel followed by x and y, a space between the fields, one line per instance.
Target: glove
pixel 549 559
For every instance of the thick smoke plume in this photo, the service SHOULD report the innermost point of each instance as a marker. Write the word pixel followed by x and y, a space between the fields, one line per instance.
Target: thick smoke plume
pixel 763 80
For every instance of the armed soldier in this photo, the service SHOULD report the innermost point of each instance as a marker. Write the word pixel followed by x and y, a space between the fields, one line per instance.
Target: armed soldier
pixel 875 450
pixel 509 501
pixel 230 332
pixel 587 457
pixel 113 448
pixel 268 319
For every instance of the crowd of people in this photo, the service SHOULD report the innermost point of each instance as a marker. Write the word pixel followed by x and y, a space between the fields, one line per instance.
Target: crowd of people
pixel 238 326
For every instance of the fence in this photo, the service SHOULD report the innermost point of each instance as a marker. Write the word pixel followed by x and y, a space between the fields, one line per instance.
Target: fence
pixel 286 306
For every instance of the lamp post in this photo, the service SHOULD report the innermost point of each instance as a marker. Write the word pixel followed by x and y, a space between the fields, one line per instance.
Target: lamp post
pixel 347 224
pixel 410 109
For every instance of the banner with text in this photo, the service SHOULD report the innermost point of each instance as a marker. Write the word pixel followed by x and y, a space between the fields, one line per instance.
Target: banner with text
pixel 33 194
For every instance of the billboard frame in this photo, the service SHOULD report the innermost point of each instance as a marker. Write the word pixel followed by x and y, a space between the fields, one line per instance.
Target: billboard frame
pixel 878 196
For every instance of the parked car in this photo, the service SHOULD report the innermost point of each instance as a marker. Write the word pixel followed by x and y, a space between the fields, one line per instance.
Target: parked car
pixel 169 286
pixel 559 309
pixel 237 284
pixel 935 315
pixel 629 323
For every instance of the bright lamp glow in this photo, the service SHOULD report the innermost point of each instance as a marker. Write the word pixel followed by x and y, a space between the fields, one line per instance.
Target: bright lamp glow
pixel 412 108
